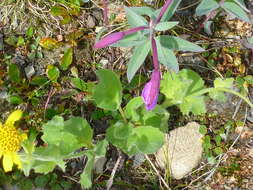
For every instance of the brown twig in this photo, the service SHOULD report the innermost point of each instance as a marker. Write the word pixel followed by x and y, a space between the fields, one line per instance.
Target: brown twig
pixel 157 173
pixel 110 181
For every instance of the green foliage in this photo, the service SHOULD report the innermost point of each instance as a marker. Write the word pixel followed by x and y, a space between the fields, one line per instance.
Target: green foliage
pixel 135 140
pixel 14 73
pixel 140 53
pixel 134 19
pixel 236 8
pixel 79 83
pixel 108 93
pixel 53 73
pixel 67 59
pixel 220 83
pixel 181 89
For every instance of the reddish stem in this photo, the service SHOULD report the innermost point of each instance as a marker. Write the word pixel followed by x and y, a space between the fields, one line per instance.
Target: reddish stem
pixel 163 10
pixel 105 12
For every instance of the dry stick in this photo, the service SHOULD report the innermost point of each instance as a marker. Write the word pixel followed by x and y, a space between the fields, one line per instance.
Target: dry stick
pixel 157 173
pixel 48 98
pixel 105 12
pixel 110 181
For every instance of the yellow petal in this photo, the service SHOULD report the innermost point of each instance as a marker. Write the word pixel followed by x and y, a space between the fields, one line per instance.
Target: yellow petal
pixel 7 162
pixel 23 136
pixel 1 124
pixel 13 117
pixel 16 160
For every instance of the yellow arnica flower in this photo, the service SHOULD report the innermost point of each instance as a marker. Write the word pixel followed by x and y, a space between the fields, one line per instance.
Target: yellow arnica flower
pixel 10 141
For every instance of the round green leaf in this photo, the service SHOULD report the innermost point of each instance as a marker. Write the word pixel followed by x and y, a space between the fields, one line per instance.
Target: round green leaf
pixel 108 93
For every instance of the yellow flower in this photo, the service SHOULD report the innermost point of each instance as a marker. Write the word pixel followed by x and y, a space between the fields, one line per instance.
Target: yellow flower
pixel 10 141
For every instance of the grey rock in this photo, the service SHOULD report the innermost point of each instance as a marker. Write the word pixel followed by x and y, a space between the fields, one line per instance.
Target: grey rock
pixel 182 150
pixel 91 22
pixel 3 95
pixel 29 71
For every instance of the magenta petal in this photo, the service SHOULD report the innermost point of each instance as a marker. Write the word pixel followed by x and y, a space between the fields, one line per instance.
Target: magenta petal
pixel 109 39
pixel 150 91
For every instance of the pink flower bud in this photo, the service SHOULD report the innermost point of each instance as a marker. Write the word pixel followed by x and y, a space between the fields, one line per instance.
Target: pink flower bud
pixel 150 91
pixel 109 39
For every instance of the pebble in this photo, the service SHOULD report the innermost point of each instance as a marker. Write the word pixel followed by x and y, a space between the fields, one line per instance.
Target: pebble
pixel 29 71
pixel 182 150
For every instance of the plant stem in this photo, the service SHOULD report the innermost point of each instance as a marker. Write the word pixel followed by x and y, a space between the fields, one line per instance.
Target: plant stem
pixel 122 114
pixel 206 90
pixel 105 12
pixel 167 103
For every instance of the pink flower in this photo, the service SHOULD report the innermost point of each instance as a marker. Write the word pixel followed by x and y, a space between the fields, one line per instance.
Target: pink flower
pixel 150 91
pixel 109 39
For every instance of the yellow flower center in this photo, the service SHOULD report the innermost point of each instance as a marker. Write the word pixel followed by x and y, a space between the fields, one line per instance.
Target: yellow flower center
pixel 10 139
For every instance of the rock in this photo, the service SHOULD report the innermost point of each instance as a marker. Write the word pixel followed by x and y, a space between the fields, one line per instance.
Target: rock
pixel 91 22
pixel 29 71
pixel 182 150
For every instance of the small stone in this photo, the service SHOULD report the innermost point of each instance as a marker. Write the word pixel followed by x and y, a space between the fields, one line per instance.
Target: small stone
pixel 29 71
pixel 91 22
pixel 182 150
pixel 3 95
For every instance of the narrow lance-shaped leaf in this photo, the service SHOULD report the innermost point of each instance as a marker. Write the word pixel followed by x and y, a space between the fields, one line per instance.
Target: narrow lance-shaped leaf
pixel 236 10
pixel 67 59
pixel 139 55
pixel 175 43
pixel 134 19
pixel 167 57
pixel 206 6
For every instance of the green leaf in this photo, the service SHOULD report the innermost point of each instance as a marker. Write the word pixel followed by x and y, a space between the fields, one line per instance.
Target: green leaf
pixel 131 40
pixel 14 73
pixel 221 83
pixel 21 41
pixel 235 10
pixel 67 136
pixel 133 19
pixel 135 140
pixel 118 135
pixel 175 43
pixel 203 129
pixel 58 11
pixel 85 178
pixel 167 57
pixel 218 150
pixel 108 93
pixel 15 99
pixel 206 6
pixel 242 5
pixel 79 83
pixel 131 108
pixel 218 140
pixel 143 11
pixel 38 80
pixel 180 89
pixel 139 55
pixel 49 158
pixel 42 180
pixel 148 139
pixel 67 59
pixel 100 148
pixel 53 73
pixel 163 26
pixel 30 31
pixel 170 11
pixel 81 129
